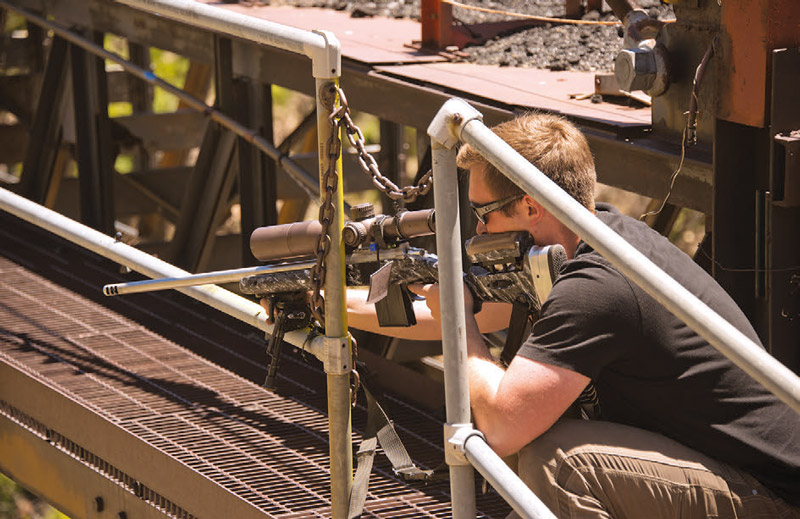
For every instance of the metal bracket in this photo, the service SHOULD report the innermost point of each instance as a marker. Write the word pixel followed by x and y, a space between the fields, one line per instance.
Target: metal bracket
pixel 455 438
pixel 786 167
pixel 337 357
pixel 447 125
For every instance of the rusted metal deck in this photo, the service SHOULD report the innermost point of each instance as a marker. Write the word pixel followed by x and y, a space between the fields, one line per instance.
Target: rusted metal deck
pixel 385 44
pixel 116 407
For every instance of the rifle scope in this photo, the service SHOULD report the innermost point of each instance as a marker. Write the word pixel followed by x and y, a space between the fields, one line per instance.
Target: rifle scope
pixel 299 239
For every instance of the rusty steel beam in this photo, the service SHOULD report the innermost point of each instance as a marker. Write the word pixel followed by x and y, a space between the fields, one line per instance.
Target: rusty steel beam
pixel 137 26
pixel 750 32
pixel 94 154
pixel 436 18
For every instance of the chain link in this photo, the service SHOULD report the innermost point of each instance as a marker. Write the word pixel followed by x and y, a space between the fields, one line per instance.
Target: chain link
pixel 356 138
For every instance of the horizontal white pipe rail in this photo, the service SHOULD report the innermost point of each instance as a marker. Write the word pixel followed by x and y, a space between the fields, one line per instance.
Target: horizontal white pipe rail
pixel 97 242
pixel 746 354
pixel 321 46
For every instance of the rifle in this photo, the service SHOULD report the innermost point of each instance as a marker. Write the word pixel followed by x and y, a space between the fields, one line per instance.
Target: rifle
pixel 506 267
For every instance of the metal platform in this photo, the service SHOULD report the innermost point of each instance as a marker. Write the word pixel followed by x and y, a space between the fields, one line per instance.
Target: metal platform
pixel 110 410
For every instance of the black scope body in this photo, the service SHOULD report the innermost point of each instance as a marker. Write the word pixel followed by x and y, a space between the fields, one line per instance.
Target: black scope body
pixel 299 239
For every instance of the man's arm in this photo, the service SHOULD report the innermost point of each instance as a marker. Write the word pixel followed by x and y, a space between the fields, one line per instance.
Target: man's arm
pixel 511 407
pixel 361 315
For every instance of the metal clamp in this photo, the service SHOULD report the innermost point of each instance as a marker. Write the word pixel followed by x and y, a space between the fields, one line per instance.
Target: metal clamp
pixel 337 357
pixel 447 125
pixel 455 438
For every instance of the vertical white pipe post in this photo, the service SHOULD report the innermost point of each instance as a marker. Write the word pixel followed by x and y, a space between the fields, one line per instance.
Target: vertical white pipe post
pixel 338 349
pixel 454 342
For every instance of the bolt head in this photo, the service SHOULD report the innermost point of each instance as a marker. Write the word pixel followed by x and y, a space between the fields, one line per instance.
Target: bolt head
pixel 635 69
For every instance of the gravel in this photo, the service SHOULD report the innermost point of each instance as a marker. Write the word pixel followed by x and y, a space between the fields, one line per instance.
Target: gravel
pixel 549 46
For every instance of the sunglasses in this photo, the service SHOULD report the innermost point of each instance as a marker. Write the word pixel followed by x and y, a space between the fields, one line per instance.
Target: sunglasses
pixel 482 210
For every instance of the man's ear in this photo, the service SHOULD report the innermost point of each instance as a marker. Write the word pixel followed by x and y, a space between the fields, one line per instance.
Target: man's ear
pixel 534 209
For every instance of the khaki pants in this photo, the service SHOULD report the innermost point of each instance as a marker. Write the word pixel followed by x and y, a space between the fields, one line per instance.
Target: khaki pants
pixel 589 469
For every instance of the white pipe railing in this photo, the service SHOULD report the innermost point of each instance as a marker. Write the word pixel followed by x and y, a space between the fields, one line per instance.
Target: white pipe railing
pixel 321 46
pixel 458 121
pixel 454 343
pixel 732 343
pixel 503 479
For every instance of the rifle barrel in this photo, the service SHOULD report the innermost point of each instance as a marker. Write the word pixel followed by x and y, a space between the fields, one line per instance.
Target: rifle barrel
pixel 207 278
pixel 233 275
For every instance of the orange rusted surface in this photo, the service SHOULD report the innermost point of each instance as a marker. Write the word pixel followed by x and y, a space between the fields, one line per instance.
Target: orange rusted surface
pixel 751 30
pixel 437 24
pixel 526 88
pixel 371 40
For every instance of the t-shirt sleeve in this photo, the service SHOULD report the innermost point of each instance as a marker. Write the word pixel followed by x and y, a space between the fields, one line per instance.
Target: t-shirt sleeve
pixel 589 320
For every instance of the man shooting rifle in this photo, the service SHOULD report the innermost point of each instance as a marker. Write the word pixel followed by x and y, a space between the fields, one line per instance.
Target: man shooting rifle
pixel 684 432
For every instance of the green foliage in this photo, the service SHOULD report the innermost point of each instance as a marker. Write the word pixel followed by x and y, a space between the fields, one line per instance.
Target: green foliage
pixel 117 45
pixel 119 109
pixel 8 489
pixel 370 127
pixel 172 68
pixel 30 506
pixel 13 22
pixel 124 163
pixel 280 95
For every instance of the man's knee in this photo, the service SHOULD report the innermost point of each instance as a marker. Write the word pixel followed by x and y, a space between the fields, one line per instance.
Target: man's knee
pixel 541 463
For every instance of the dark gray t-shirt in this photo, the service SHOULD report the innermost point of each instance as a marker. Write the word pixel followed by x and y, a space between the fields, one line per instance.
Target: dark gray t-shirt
pixel 653 372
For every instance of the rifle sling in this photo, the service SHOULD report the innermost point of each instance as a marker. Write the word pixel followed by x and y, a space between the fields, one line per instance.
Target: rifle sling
pixel 381 431
pixel 518 329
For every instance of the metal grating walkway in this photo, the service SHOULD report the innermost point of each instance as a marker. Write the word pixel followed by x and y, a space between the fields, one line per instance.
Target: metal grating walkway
pixel 114 370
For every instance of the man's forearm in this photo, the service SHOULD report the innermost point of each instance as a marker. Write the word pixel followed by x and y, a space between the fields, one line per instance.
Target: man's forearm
pixel 484 379
pixel 361 316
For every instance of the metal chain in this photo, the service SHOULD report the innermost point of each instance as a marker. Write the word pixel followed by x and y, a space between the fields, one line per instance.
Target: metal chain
pixel 355 378
pixel 356 138
pixel 327 211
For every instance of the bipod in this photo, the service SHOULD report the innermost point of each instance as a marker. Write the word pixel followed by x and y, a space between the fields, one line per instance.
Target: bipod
pixel 290 311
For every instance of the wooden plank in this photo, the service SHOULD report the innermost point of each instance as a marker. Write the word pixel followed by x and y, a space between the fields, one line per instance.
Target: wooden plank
pixel 372 40
pixel 198 82
pixel 527 88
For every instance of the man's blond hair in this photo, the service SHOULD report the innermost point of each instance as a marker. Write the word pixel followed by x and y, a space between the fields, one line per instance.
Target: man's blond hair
pixel 550 143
